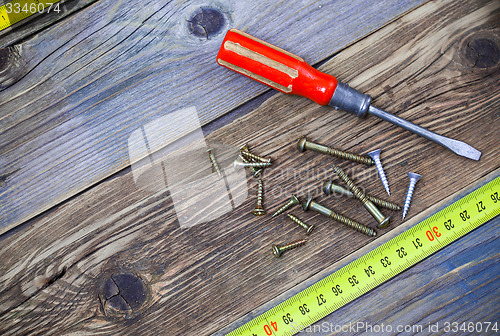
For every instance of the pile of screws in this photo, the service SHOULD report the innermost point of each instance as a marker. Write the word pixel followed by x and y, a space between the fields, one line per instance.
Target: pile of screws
pixel 247 159
pixel 256 163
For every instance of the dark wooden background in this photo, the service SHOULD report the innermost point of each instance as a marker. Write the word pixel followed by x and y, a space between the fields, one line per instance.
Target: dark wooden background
pixel 86 251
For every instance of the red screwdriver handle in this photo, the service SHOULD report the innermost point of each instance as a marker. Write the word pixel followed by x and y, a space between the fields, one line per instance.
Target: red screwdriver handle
pixel 275 67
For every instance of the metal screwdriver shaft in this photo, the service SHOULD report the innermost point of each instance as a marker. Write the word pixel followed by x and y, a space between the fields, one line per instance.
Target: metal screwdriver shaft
pixel 289 73
pixel 458 147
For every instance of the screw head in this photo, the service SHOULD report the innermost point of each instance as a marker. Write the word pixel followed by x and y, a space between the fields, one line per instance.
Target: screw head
pixel 307 203
pixel 237 164
pixel 258 211
pixel 276 251
pixel 384 223
pixel 294 199
pixel 375 153
pixel 327 186
pixel 301 144
pixel 414 176
pixel 310 229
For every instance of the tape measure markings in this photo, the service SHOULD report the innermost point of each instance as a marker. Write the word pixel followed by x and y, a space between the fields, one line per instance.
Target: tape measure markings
pixel 21 9
pixel 379 265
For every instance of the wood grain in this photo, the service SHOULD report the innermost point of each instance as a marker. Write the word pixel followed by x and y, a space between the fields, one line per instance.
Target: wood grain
pixel 38 21
pixel 428 299
pixel 202 278
pixel 79 89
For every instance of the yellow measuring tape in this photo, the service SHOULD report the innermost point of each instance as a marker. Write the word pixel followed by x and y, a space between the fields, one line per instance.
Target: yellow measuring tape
pixel 378 266
pixel 18 10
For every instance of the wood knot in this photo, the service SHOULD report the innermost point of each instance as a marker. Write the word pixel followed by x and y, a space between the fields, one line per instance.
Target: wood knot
pixel 206 22
pixel 482 51
pixel 123 295
pixel 12 65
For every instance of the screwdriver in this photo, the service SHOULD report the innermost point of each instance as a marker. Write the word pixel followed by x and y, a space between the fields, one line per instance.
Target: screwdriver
pixel 289 73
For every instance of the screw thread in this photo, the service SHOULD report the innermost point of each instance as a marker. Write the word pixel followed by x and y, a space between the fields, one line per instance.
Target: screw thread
pixel 352 224
pixel 255 164
pixel 255 157
pixel 306 227
pixel 330 187
pixel 381 173
pixel 256 171
pixel 293 201
pixel 409 195
pixel 350 156
pixel 350 184
pixel 260 193
pixel 214 162
pixel 383 203
pixel 292 245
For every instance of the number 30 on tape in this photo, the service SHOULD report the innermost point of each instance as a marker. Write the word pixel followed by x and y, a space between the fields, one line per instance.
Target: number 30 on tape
pixel 378 266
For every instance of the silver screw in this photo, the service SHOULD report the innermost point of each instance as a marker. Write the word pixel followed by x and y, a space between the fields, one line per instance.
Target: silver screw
pixel 293 201
pixel 413 180
pixel 375 155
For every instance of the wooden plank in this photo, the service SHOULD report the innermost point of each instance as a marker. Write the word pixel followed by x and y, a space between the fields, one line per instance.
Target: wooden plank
pixel 38 21
pixel 449 286
pixel 71 96
pixel 61 272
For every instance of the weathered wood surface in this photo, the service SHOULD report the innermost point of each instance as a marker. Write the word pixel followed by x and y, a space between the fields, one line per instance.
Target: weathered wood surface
pixel 455 285
pixel 38 21
pixel 201 279
pixel 71 96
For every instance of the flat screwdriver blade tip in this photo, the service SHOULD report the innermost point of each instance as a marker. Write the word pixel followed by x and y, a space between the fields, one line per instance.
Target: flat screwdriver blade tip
pixel 458 147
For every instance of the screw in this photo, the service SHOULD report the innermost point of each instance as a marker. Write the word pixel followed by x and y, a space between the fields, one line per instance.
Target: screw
pixel 293 201
pixel 259 210
pixel 240 163
pixel 308 228
pixel 303 144
pixel 279 249
pixel 255 157
pixel 214 162
pixel 375 155
pixel 244 148
pixel 411 187
pixel 329 188
pixel 372 209
pixel 311 204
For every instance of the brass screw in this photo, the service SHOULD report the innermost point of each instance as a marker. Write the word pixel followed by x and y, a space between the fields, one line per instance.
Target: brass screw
pixel 279 249
pixel 329 188
pixel 259 210
pixel 308 228
pixel 311 204
pixel 255 157
pixel 372 209
pixel 214 162
pixel 303 144
pixel 244 148
pixel 293 201
pixel 238 163
pixel 256 171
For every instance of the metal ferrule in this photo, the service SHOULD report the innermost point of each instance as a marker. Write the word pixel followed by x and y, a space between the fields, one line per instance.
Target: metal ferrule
pixel 350 100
